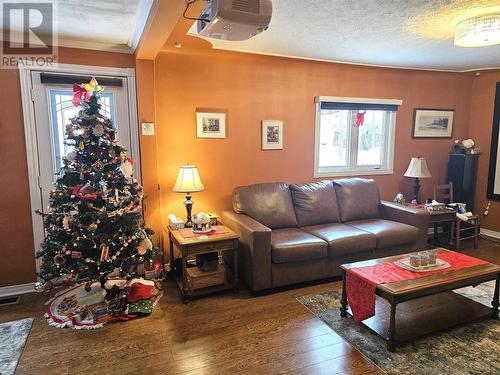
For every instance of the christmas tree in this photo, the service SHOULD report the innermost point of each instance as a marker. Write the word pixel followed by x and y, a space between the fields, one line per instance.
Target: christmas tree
pixel 94 222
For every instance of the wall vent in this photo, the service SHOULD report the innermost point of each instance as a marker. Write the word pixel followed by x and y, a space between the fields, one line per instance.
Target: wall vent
pixel 4 301
pixel 246 6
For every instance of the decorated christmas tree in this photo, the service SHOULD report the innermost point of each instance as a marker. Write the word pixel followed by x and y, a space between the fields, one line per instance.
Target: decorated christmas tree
pixel 94 223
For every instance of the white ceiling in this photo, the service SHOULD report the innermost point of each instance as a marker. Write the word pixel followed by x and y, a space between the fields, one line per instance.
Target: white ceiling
pixel 113 25
pixel 399 33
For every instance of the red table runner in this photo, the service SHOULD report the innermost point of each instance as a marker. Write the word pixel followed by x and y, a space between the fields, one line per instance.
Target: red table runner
pixel 216 229
pixel 361 282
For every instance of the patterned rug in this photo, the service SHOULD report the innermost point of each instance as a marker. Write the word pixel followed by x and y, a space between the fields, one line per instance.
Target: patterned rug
pixel 13 336
pixel 472 349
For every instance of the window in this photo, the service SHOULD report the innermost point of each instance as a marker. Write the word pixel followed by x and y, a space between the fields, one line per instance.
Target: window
pixel 354 136
pixel 62 110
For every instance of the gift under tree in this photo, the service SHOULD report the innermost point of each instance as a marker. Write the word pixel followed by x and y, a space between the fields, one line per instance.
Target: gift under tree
pixel 94 222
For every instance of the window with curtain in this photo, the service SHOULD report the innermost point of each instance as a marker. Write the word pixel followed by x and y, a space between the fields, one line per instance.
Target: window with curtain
pixel 354 136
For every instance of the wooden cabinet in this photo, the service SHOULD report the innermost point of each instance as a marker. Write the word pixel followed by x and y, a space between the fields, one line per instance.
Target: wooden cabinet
pixel 462 171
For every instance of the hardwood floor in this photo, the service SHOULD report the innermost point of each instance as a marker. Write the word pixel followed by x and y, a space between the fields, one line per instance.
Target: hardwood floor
pixel 221 334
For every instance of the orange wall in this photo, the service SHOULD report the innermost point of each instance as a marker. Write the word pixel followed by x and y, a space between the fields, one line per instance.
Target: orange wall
pixel 255 87
pixel 481 125
pixel 17 264
pixel 146 108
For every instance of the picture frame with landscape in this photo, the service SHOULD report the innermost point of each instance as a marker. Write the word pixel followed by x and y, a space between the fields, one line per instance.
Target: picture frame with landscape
pixel 433 123
pixel 210 124
pixel 272 134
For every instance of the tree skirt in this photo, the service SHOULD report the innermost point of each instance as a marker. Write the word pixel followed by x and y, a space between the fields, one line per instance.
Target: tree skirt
pixel 121 300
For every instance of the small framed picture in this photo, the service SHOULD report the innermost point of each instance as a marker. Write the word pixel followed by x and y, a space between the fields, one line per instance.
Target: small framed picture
pixel 210 124
pixel 272 134
pixel 433 123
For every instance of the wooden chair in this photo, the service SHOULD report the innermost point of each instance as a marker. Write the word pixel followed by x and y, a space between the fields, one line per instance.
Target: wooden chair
pixel 461 230
pixel 444 193
pixel 465 230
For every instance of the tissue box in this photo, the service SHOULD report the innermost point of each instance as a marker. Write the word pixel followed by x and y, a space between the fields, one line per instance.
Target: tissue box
pixel 175 222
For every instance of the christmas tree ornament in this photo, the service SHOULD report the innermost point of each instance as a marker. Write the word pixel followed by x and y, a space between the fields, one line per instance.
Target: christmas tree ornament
pixel 98 130
pixel 104 253
pixel 127 169
pixel 123 155
pixel 71 156
pixel 59 260
pixel 98 165
pixel 144 246
pixel 65 223
pixel 93 227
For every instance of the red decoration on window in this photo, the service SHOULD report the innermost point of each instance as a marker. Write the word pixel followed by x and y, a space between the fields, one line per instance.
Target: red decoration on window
pixel 360 118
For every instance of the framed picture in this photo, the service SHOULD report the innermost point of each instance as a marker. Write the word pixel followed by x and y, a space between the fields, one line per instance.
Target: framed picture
pixel 494 171
pixel 272 134
pixel 433 123
pixel 210 124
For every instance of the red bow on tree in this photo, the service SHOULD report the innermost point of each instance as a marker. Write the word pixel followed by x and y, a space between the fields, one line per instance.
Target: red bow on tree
pixel 80 94
pixel 84 192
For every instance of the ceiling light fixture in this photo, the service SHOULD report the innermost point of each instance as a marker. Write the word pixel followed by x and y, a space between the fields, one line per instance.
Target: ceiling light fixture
pixel 478 31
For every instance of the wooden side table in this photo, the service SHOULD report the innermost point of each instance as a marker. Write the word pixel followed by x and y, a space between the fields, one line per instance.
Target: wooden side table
pixel 440 217
pixel 219 243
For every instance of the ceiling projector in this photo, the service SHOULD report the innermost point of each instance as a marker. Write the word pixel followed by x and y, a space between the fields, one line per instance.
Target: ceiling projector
pixel 234 19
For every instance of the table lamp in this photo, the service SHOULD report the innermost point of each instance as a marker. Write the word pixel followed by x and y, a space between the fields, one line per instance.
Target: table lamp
pixel 188 181
pixel 418 169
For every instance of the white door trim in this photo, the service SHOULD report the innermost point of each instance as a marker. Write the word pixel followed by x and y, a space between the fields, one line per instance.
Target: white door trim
pixel 30 129
pixel 14 290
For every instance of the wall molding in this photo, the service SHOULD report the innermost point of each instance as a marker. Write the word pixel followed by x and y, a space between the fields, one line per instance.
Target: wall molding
pixel 13 290
pixel 490 233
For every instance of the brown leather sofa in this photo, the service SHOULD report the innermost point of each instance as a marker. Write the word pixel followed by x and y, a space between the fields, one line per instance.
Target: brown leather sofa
pixel 301 232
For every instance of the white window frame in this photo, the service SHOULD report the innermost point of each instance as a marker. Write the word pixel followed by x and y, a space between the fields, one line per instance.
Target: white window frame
pixel 27 97
pixel 386 168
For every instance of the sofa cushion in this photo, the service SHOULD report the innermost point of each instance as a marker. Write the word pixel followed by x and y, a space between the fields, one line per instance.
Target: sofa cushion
pixel 358 198
pixel 389 233
pixel 295 245
pixel 343 239
pixel 269 204
pixel 315 203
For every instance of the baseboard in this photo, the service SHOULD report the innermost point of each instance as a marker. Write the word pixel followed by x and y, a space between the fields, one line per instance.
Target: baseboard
pixel 14 290
pixel 490 233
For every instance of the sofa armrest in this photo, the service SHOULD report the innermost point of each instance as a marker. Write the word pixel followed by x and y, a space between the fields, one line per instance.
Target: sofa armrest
pixel 417 217
pixel 255 249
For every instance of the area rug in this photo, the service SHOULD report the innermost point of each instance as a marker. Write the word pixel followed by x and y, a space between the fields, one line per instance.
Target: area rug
pixel 13 336
pixel 120 300
pixel 471 349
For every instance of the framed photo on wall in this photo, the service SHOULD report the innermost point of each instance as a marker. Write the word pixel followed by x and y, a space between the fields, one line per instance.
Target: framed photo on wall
pixel 210 124
pixel 272 134
pixel 494 171
pixel 433 123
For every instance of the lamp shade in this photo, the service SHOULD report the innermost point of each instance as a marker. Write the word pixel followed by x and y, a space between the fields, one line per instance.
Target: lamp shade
pixel 418 168
pixel 188 180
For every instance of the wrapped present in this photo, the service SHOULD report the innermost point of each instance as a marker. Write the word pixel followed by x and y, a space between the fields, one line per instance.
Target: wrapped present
pixel 144 306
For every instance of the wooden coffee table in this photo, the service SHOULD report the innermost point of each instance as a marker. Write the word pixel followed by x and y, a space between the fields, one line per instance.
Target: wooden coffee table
pixel 426 304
